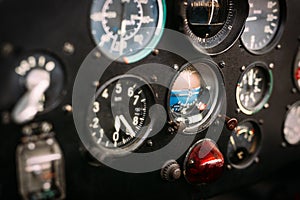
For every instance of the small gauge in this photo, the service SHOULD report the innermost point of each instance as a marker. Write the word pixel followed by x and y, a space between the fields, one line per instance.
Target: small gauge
pixel 244 144
pixel 127 30
pixel 254 88
pixel 264 25
pixel 120 114
pixel 214 25
pixel 41 77
pixel 195 95
pixel 296 72
pixel 291 129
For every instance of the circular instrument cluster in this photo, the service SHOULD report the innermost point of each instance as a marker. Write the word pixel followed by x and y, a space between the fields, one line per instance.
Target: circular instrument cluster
pixel 254 88
pixel 244 144
pixel 120 114
pixel 127 30
pixel 214 26
pixel 195 95
pixel 264 25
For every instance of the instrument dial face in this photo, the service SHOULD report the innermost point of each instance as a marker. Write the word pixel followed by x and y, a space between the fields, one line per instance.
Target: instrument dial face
pixel 209 23
pixel 254 88
pixel 262 25
pixel 244 144
pixel 193 97
pixel 127 30
pixel 296 72
pixel 120 114
pixel 291 129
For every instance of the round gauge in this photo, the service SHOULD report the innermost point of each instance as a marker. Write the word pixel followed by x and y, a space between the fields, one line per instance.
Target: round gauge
pixel 254 88
pixel 244 144
pixel 195 96
pixel 120 114
pixel 41 79
pixel 127 30
pixel 214 25
pixel 291 129
pixel 296 72
pixel 264 25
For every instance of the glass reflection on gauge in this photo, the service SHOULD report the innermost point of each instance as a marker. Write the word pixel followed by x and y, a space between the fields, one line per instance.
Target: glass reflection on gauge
pixel 263 25
pixel 120 114
pixel 244 144
pixel 254 88
pixel 195 96
pixel 291 129
pixel 127 30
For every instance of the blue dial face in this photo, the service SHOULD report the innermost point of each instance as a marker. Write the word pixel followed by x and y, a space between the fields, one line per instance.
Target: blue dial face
pixel 127 30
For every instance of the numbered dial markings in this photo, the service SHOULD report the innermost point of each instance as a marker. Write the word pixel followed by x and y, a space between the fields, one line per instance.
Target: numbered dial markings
pixel 209 23
pixel 120 113
pixel 262 25
pixel 244 144
pixel 254 88
pixel 123 29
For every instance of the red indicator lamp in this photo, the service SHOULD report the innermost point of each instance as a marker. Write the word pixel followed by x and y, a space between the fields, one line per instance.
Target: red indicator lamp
pixel 203 163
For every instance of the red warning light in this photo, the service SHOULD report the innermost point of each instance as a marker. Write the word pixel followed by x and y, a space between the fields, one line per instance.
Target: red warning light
pixel 204 162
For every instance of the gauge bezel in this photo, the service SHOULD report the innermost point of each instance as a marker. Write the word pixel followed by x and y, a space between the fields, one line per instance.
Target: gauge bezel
pixel 277 36
pixel 252 158
pixel 267 95
pixel 296 68
pixel 295 104
pixel 138 141
pixel 217 104
pixel 143 51
pixel 234 29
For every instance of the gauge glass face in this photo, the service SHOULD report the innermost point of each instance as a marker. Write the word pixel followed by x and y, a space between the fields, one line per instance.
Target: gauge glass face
pixel 262 24
pixel 254 88
pixel 127 30
pixel 296 73
pixel 291 129
pixel 244 144
pixel 120 113
pixel 210 22
pixel 193 97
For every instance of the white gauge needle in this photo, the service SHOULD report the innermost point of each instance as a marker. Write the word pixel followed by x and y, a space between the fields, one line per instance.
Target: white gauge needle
pixel 128 127
pixel 122 34
pixel 117 124
pixel 251 19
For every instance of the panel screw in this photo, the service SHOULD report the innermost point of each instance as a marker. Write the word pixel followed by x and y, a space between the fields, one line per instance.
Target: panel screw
pixel 278 46
pixel 154 78
pixel 256 160
pixel 7 49
pixel 243 68
pixel 283 144
pixel 5 117
pixel 261 121
pixel 97 54
pixel 155 52
pixel 222 64
pixel 229 167
pixel 46 127
pixel 238 110
pixel 266 106
pixel 176 67
pixel 68 108
pixel 69 48
pixel 271 65
pixel 96 83
pixel 294 90
pixel 149 143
